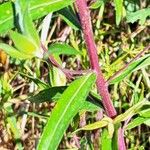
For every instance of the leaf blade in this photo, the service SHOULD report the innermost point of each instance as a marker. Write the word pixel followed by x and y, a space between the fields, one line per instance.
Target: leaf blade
pixel 64 111
pixel 43 6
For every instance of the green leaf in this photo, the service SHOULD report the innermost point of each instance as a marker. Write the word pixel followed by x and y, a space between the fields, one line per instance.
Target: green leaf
pixel 38 9
pixel 106 140
pixel 14 52
pixel 115 137
pixel 68 15
pixel 58 78
pixel 91 105
pixel 134 66
pixel 131 111
pixel 97 4
pixel 147 122
pixel 119 10
pixel 37 81
pixel 25 21
pixel 65 49
pixel 96 125
pixel 54 93
pixel 13 125
pixel 48 95
pixel 67 107
pixel 145 113
pixel 140 15
pixel 29 28
pixel 136 122
pixel 19 8
pixel 23 44
pixel 143 64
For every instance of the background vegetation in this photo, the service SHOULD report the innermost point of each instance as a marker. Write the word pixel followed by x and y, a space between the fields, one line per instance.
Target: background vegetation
pixel 33 82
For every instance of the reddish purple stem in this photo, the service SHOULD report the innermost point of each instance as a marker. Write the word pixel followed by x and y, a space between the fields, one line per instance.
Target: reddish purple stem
pixel 102 86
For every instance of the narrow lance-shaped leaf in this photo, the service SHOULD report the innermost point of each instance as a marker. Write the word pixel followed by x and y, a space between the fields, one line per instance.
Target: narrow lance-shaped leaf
pixel 70 17
pixel 20 6
pixel 105 140
pixel 138 64
pixel 29 28
pixel 22 43
pixel 119 10
pixel 14 52
pixel 131 111
pixel 38 9
pixel 136 122
pixel 53 94
pixel 65 49
pixel 96 125
pixel 67 107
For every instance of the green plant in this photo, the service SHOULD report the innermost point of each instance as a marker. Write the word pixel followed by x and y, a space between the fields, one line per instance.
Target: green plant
pixel 115 84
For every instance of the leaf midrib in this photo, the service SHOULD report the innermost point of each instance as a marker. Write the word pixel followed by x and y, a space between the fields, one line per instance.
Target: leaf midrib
pixel 58 122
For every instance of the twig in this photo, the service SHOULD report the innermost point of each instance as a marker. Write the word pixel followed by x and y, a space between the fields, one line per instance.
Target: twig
pixel 126 66
pixel 102 86
pixel 69 73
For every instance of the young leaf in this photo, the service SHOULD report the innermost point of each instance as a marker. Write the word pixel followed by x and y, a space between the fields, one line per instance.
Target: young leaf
pixel 145 113
pixel 58 78
pixel 23 44
pixel 67 107
pixel 119 10
pixel 97 4
pixel 14 52
pixel 65 49
pixel 96 125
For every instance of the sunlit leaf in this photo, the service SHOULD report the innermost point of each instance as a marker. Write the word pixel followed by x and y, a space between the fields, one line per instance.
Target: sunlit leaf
pixel 66 108
pixel 23 44
pixel 96 125
pixel 119 10
pixel 105 140
pixel 29 28
pixel 38 9
pixel 14 52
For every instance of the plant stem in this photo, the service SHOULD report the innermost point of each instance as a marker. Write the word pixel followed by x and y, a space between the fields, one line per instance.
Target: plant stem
pixel 102 86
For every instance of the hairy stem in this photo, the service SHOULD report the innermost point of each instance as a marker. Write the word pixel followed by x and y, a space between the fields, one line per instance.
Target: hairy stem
pixel 102 86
